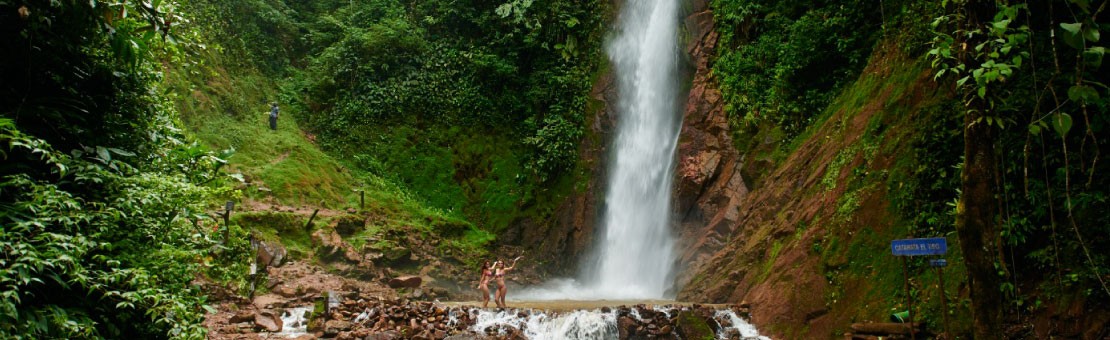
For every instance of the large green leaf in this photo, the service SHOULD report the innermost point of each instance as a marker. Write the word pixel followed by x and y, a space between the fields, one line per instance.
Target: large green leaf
pixel 1061 122
pixel 1093 56
pixel 1082 93
pixel 1073 34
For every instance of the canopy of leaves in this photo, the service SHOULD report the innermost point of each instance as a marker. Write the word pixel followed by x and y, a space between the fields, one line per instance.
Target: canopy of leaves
pixel 99 186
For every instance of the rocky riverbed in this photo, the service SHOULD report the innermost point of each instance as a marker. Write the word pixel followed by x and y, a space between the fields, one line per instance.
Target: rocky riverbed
pixel 356 316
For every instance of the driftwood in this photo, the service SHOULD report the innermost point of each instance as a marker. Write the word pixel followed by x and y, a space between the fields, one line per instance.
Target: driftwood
pixel 885 328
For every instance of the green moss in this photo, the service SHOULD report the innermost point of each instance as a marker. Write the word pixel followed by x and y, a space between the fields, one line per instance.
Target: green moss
pixel 227 107
pixel 770 260
pixel 285 227
pixel 691 326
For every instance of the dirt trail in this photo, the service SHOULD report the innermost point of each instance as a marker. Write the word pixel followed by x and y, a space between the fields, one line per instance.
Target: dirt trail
pixel 249 205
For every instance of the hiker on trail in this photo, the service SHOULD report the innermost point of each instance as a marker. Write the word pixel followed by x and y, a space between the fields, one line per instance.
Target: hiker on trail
pixel 487 274
pixel 273 116
pixel 499 271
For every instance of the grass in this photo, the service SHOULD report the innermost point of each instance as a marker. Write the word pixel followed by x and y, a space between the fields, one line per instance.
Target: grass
pixel 227 107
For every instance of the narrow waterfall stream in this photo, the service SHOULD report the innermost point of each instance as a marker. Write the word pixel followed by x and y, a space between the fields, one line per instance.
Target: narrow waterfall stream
pixel 635 250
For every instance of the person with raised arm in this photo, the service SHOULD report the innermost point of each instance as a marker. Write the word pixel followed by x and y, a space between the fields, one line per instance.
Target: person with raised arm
pixel 499 274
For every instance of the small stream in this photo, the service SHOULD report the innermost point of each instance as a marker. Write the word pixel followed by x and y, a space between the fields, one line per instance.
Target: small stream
pixel 587 324
pixel 294 322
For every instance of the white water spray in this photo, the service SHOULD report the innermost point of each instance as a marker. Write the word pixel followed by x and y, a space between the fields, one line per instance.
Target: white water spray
pixel 635 253
pixel 587 324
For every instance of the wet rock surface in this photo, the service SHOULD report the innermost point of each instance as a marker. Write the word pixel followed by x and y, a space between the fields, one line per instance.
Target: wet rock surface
pixel 370 314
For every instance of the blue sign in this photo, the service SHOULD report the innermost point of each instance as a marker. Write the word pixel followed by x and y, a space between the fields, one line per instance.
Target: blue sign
pixel 919 246
pixel 938 263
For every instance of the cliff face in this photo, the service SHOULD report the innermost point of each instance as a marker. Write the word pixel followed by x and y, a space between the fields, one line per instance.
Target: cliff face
pixel 803 237
pixel 562 239
pixel 709 187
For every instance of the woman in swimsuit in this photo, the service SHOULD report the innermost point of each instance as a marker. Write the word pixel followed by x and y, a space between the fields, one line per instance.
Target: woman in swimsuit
pixel 487 274
pixel 499 274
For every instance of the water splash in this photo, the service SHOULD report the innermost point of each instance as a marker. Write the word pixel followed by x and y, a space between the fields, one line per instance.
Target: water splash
pixel 294 322
pixel 540 325
pixel 586 324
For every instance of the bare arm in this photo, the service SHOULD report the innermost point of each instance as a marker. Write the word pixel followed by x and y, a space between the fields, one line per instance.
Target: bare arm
pixel 514 263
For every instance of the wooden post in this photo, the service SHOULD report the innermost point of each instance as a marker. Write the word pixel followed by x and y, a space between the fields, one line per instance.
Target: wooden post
pixel 309 224
pixel 362 199
pixel 909 298
pixel 227 220
pixel 943 301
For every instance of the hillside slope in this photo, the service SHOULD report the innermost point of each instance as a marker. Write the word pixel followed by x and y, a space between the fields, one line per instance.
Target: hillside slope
pixel 799 225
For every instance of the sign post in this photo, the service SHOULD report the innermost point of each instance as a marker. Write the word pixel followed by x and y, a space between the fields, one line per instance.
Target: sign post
pixel 227 219
pixel 917 247
pixel 939 264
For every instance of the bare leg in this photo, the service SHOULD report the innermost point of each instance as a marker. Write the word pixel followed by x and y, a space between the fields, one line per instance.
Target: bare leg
pixel 485 296
pixel 497 298
pixel 501 295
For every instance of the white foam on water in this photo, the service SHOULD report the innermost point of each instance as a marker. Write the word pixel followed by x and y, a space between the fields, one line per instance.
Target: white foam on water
pixel 294 322
pixel 583 324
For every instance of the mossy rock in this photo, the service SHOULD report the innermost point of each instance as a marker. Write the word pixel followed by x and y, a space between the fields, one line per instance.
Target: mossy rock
pixel 691 326
pixel 278 221
pixel 396 254
pixel 449 227
pixel 348 225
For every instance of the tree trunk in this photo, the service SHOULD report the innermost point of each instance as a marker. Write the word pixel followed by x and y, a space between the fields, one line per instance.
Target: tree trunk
pixel 975 224
pixel 976 215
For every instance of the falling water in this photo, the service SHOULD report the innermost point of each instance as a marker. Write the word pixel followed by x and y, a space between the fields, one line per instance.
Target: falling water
pixel 635 251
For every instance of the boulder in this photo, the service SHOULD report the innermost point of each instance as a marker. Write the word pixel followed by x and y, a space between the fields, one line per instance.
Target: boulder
pixel 348 225
pixel 331 247
pixel 333 327
pixel 242 316
pixel 285 291
pixel 626 327
pixel 266 301
pixel 267 321
pixel 405 282
pixel 387 335
pixel 269 254
pixel 397 254
pixel 691 326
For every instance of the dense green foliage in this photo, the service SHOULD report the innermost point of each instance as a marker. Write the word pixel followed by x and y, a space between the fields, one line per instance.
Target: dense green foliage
pixel 1036 71
pixel 475 107
pixel 100 189
pixel 1032 71
pixel 783 61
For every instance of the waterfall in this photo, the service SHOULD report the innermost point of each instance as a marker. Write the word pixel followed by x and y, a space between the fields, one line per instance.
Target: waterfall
pixel 635 249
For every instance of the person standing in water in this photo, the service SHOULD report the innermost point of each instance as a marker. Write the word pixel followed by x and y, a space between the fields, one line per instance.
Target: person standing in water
pixel 499 274
pixel 273 116
pixel 483 287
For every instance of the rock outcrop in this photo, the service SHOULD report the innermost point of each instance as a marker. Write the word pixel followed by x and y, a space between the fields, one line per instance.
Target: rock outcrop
pixel 709 188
